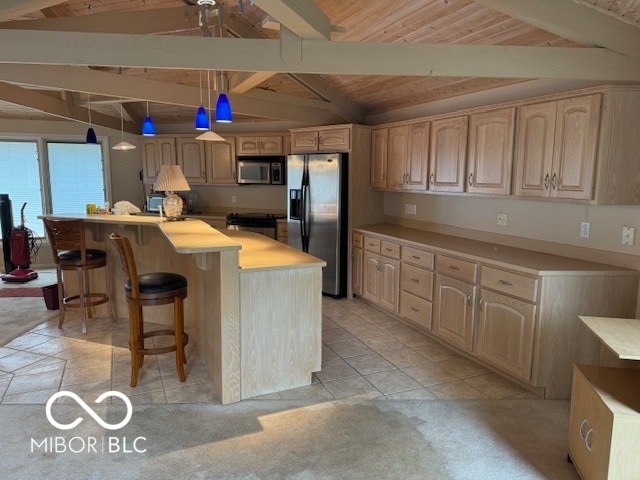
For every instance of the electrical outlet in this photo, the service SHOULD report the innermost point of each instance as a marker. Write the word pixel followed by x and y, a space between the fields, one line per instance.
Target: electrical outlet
pixel 233 199
pixel 585 229
pixel 409 209
pixel 503 219
pixel 628 235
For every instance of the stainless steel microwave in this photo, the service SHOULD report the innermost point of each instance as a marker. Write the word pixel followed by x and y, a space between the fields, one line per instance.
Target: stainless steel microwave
pixel 260 170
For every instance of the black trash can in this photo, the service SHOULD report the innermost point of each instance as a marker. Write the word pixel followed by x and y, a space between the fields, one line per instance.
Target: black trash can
pixel 50 294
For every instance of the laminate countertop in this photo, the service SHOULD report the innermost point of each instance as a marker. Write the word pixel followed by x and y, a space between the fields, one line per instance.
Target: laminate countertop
pixel 527 261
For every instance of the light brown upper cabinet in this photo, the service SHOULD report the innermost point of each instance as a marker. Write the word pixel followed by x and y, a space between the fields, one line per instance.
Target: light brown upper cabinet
pixel 328 139
pixel 448 154
pixel 221 162
pixel 556 148
pixel 407 157
pixel 379 138
pixel 191 158
pixel 490 152
pixel 155 153
pixel 262 145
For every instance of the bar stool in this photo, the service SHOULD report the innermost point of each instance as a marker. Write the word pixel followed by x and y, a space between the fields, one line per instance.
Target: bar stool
pixel 159 288
pixel 70 252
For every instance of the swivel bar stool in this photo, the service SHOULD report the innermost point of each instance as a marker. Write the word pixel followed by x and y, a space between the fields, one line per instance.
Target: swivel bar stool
pixel 70 253
pixel 159 288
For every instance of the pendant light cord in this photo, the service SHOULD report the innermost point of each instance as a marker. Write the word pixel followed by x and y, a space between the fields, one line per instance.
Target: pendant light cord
pixel 209 94
pixel 89 97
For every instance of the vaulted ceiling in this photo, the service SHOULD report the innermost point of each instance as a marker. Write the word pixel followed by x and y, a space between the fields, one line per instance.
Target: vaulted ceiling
pixel 295 62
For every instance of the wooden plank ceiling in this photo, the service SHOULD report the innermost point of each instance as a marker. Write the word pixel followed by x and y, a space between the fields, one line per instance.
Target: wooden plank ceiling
pixel 413 53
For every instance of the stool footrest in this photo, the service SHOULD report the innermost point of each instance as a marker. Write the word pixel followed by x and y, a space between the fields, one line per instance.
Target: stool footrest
pixel 160 350
pixel 74 300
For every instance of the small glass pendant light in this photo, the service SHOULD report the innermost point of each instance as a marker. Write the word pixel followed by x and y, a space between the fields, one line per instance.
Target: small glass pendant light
pixel 148 128
pixel 91 133
pixel 202 118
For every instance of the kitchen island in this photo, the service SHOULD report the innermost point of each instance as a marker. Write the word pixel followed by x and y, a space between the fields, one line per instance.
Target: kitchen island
pixel 254 305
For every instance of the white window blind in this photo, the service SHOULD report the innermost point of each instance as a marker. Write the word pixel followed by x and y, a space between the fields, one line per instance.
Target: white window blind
pixel 76 176
pixel 20 179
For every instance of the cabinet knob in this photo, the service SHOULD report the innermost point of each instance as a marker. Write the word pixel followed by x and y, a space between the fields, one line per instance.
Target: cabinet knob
pixel 546 181
pixel 454 267
pixel 582 424
pixel 553 181
pixel 586 439
pixel 480 302
pixel 415 310
pixel 415 280
pixel 469 299
pixel 505 282
pixel 431 178
pixel 471 179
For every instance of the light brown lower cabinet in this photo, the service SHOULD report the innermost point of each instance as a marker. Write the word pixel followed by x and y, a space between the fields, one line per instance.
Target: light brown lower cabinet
pixel 604 423
pixel 454 307
pixel 381 278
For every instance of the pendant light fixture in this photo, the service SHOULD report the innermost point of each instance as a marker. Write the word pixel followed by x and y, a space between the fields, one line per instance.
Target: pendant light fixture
pixel 91 134
pixel 122 145
pixel 148 128
pixel 202 118
pixel 223 107
pixel 209 135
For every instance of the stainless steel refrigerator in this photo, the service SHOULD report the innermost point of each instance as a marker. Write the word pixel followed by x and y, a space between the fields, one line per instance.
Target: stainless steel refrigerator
pixel 317 213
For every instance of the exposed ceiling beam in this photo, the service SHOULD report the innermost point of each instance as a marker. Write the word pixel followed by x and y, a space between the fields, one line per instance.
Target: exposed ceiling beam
pixel 244 81
pixel 320 57
pixel 11 9
pixel 302 17
pixel 574 21
pixel 164 20
pixel 60 108
pixel 268 105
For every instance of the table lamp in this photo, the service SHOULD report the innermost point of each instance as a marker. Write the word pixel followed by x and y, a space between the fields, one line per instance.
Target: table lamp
pixel 170 180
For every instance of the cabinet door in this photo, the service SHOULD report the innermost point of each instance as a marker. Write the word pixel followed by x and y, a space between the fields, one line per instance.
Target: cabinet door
pixel 397 156
pixel 415 309
pixel 575 144
pixel 389 284
pixel 370 277
pixel 505 333
pixel 157 152
pixel 447 154
pixel 306 141
pixel 417 157
pixel 534 149
pixel 490 152
pixel 580 421
pixel 379 157
pixel 334 139
pixel 221 163
pixel 248 145
pixel 191 158
pixel 271 145
pixel 357 256
pixel 453 311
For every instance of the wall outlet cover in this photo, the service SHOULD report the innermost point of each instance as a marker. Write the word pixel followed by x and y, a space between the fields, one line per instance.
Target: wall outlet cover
pixel 585 229
pixel 503 219
pixel 409 209
pixel 628 235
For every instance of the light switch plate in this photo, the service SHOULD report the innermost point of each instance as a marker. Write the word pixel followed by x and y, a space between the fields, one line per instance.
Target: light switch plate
pixel 409 209
pixel 503 219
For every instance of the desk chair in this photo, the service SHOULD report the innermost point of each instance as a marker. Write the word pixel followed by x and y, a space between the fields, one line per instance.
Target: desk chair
pixel 159 288
pixel 70 253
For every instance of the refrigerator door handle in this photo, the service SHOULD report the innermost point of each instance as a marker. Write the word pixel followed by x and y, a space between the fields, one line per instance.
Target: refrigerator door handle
pixel 304 217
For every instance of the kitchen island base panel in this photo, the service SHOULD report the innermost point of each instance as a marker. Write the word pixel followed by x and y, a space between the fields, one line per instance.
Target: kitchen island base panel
pixel 281 340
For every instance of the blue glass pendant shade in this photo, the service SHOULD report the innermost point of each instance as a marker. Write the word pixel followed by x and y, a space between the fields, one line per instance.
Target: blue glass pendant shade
pixel 223 109
pixel 202 119
pixel 91 136
pixel 148 128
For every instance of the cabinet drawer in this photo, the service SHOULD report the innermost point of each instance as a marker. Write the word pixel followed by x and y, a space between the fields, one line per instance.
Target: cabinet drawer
pixel 389 249
pixel 357 240
pixel 417 281
pixel 510 283
pixel 415 309
pixel 417 257
pixel 371 244
pixel 456 268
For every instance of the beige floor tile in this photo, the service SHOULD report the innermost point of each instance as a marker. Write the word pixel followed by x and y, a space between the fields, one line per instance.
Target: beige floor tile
pixel 4 383
pixel 370 363
pixel 19 359
pixel 429 374
pixel 5 352
pixel 436 352
pixel 149 381
pixel 392 381
pixel 352 387
pixel 35 382
pixel 383 343
pixel 157 396
pixel 336 335
pixel 91 373
pixel 349 320
pixel 314 392
pixel 268 396
pixel 30 398
pixel 328 324
pixel 405 357
pixel 456 391
pixel 335 370
pixel 196 393
pixel 365 330
pixel 45 365
pixel 328 354
pixel 462 367
pixel 495 386
pixel 53 346
pixel 26 341
pixel 350 348
pixel 89 392
pixel 417 394
pixel 414 339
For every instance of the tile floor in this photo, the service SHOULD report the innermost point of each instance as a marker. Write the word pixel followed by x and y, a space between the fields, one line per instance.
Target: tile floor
pixel 366 353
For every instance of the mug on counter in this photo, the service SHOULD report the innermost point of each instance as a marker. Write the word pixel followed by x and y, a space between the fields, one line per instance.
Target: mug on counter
pixel 91 208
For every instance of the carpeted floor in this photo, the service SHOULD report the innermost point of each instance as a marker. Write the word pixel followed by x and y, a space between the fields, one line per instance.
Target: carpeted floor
pixel 368 439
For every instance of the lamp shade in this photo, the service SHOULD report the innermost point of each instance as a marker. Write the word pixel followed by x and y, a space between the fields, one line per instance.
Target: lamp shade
pixel 91 136
pixel 223 109
pixel 148 128
pixel 210 136
pixel 123 146
pixel 202 119
pixel 171 179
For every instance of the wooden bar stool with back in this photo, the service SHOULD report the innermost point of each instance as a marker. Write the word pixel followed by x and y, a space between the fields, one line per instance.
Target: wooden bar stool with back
pixel 70 253
pixel 158 288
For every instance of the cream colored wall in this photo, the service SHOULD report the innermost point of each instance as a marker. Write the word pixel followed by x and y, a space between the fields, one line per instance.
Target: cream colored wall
pixel 248 197
pixel 541 225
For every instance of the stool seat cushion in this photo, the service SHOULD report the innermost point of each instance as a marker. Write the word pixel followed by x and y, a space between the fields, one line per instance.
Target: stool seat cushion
pixel 158 282
pixel 74 255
